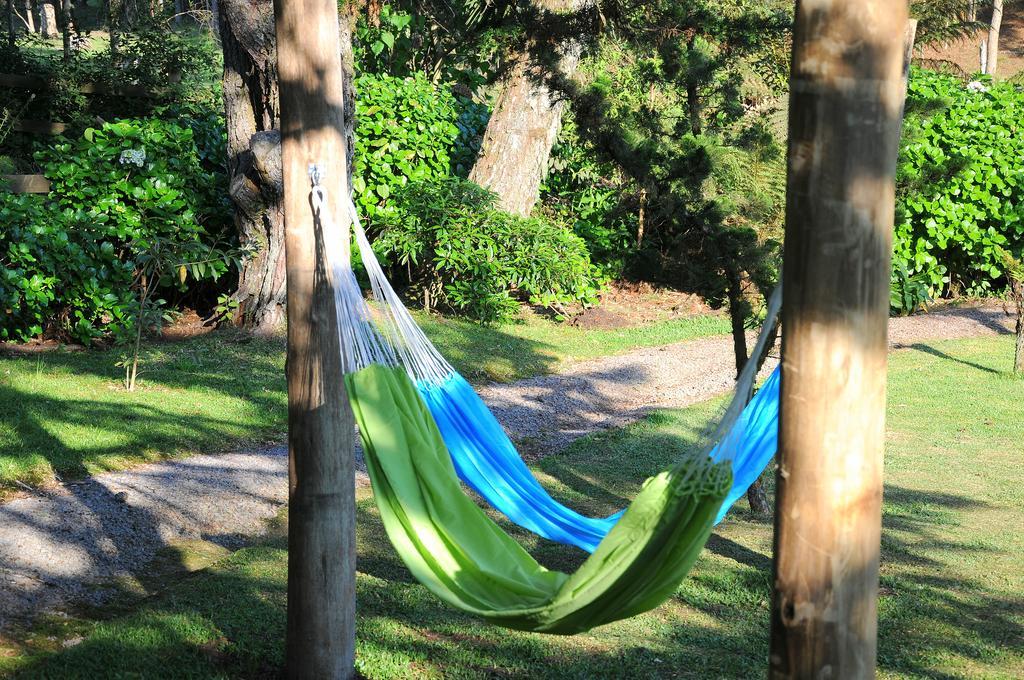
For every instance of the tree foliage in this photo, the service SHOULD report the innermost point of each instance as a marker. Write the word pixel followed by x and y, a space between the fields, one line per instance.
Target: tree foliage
pixel 405 132
pixel 945 21
pixel 680 99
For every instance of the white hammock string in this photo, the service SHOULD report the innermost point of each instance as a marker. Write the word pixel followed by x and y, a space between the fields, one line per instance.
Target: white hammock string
pixel 361 343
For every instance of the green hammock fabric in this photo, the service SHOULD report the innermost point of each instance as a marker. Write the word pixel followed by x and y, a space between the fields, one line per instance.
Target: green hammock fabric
pixel 453 548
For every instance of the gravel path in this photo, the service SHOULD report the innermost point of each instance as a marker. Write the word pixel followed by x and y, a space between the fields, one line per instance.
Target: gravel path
pixel 70 542
pixel 546 413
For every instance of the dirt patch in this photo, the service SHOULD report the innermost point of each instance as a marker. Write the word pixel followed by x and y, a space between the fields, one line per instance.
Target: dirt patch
pixel 965 54
pixel 627 304
pixel 36 347
pixel 188 325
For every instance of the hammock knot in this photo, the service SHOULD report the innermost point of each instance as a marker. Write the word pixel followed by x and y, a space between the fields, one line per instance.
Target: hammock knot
pixel 701 476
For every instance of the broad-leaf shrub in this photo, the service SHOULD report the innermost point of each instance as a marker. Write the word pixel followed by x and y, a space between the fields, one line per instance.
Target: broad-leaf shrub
pixel 451 240
pixel 961 187
pixel 68 261
pixel 404 133
pixel 410 130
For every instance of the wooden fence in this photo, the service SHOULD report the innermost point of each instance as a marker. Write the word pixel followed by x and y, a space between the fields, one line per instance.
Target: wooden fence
pixel 38 184
pixel 25 184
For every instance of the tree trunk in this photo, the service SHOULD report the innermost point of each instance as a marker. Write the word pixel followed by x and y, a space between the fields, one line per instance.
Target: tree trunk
pixel 846 107
pixel 254 157
pixel 347 25
pixel 251 106
pixel 756 496
pixel 66 27
pixel 693 106
pixel 758 499
pixel 11 41
pixel 115 10
pixel 992 61
pixel 47 20
pixel 514 153
pixel 738 312
pixel 30 19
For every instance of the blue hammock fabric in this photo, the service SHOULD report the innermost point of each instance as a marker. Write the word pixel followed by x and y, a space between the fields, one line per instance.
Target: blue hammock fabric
pixel 488 462
pixel 758 428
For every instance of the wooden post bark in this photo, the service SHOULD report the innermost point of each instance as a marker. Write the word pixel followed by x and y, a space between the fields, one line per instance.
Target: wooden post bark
pixel 846 106
pixel 321 535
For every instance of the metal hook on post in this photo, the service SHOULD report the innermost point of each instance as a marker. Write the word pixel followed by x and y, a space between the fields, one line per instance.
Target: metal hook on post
pixel 316 175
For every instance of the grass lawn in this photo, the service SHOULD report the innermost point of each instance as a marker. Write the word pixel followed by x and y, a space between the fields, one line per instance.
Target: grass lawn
pixel 951 602
pixel 66 413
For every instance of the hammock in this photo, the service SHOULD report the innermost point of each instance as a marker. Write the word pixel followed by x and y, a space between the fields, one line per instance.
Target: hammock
pixel 447 541
pixel 453 548
pixel 487 460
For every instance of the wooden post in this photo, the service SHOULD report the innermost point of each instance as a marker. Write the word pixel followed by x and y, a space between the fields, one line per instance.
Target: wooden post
pixel 846 107
pixel 321 534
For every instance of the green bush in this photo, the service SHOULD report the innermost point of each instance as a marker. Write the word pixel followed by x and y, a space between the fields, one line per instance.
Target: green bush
pixel 463 252
pixel 410 130
pixel 961 188
pixel 404 133
pixel 121 195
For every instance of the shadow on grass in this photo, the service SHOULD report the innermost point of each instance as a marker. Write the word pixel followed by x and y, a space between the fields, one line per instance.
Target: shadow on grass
pixel 62 406
pixel 64 414
pixel 227 621
pixel 230 621
pixel 70 408
pixel 928 349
